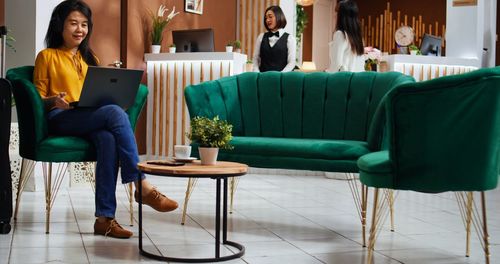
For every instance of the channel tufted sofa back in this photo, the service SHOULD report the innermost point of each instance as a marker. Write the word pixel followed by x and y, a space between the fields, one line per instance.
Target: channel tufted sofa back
pixel 295 105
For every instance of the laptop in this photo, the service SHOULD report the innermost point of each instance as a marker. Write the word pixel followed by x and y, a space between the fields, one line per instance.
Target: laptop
pixel 104 86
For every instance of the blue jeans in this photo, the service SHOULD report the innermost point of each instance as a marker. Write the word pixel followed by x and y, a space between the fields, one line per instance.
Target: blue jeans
pixel 108 127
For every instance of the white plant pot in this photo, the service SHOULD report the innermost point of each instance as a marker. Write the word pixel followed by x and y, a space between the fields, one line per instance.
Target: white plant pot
pixel 171 49
pixel 155 48
pixel 413 52
pixel 208 156
pixel 229 48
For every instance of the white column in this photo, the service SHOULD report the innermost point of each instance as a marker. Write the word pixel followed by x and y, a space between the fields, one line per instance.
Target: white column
pixel 322 32
pixel 470 29
pixel 27 21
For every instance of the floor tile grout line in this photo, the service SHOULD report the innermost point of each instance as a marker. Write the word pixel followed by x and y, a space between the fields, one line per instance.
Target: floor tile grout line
pixel 78 226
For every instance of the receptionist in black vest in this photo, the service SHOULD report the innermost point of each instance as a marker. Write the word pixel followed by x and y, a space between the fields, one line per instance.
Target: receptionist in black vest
pixel 275 49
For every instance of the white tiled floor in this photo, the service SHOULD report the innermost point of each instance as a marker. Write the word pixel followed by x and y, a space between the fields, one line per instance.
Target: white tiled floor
pixel 278 218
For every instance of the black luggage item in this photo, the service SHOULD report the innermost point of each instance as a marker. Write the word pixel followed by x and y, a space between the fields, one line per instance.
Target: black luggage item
pixel 5 176
pixel 5 112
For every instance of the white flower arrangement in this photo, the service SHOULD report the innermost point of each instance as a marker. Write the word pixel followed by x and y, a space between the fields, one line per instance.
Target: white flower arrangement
pixel 159 23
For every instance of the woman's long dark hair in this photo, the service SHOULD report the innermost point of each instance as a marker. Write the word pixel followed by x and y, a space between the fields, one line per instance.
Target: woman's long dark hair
pixel 54 37
pixel 348 22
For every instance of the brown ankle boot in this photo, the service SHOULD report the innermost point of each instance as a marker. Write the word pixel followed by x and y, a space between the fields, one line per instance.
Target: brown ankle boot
pixel 111 228
pixel 157 200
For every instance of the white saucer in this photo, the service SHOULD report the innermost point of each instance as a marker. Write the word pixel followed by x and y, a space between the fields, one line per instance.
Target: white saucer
pixel 190 159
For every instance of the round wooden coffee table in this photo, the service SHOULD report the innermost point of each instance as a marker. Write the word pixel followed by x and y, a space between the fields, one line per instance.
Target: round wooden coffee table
pixel 219 172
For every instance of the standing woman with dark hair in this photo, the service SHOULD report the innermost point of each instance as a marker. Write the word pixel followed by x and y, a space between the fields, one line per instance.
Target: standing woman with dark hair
pixel 58 76
pixel 346 49
pixel 275 49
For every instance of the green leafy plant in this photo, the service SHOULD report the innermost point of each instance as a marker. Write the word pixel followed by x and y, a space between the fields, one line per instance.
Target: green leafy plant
pixel 301 22
pixel 229 44
pixel 414 47
pixel 237 44
pixel 211 133
pixel 10 40
pixel 159 22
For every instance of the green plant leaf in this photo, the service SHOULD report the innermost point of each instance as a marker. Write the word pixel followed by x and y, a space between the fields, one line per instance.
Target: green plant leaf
pixel 213 133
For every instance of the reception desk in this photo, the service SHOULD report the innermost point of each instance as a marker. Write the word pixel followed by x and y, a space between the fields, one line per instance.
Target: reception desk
pixel 429 67
pixel 168 75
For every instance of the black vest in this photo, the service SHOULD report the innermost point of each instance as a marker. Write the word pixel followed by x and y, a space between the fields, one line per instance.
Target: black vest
pixel 273 58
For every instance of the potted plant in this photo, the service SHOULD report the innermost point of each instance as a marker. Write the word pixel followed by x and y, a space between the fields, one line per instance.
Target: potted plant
pixel 372 58
pixel 249 66
pixel 211 134
pixel 171 48
pixel 414 50
pixel 159 22
pixel 229 46
pixel 237 46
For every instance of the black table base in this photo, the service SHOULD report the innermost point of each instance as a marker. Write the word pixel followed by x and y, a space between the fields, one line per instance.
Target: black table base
pixel 218 257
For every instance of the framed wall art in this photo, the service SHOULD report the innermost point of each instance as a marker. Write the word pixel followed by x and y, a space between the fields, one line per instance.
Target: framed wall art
pixel 194 6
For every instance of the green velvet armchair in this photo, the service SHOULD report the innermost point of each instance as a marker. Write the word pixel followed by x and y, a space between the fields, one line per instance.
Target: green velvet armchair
pixel 443 135
pixel 36 144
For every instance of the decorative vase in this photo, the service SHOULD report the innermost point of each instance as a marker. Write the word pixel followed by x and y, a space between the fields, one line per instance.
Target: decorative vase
pixel 229 48
pixel 237 50
pixel 171 49
pixel 155 48
pixel 208 156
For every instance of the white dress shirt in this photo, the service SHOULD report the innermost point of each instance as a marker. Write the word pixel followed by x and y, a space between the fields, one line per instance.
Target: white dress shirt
pixel 342 58
pixel 291 45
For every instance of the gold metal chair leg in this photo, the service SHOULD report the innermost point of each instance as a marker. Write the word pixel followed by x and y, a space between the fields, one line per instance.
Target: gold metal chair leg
pixel 373 228
pixel 234 183
pixel 27 168
pixel 189 190
pixel 48 197
pixel 391 208
pixel 131 202
pixel 52 187
pixel 468 221
pixel 364 204
pixel 360 196
pixel 485 230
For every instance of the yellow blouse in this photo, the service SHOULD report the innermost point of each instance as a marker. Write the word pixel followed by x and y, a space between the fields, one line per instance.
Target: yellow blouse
pixel 59 71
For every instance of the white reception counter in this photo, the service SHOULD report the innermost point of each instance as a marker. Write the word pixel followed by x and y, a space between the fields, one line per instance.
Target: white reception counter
pixel 429 67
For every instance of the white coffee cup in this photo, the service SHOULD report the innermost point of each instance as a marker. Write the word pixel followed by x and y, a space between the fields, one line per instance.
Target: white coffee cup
pixel 182 151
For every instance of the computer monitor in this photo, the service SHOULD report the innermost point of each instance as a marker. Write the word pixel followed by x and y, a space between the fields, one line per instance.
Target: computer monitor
pixel 431 45
pixel 194 40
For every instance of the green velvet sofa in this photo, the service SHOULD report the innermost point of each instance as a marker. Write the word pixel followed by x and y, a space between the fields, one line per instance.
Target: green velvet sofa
pixel 306 121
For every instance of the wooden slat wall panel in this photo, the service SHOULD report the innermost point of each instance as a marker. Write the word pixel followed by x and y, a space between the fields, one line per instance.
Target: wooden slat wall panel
pixel 251 17
pixel 381 33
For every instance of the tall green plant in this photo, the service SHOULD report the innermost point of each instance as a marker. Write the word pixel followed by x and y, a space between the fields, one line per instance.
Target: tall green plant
pixel 211 133
pixel 301 22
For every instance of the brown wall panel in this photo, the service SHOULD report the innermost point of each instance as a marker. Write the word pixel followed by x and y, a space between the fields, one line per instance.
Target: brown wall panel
pixel 105 39
pixel 219 15
pixel 2 12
